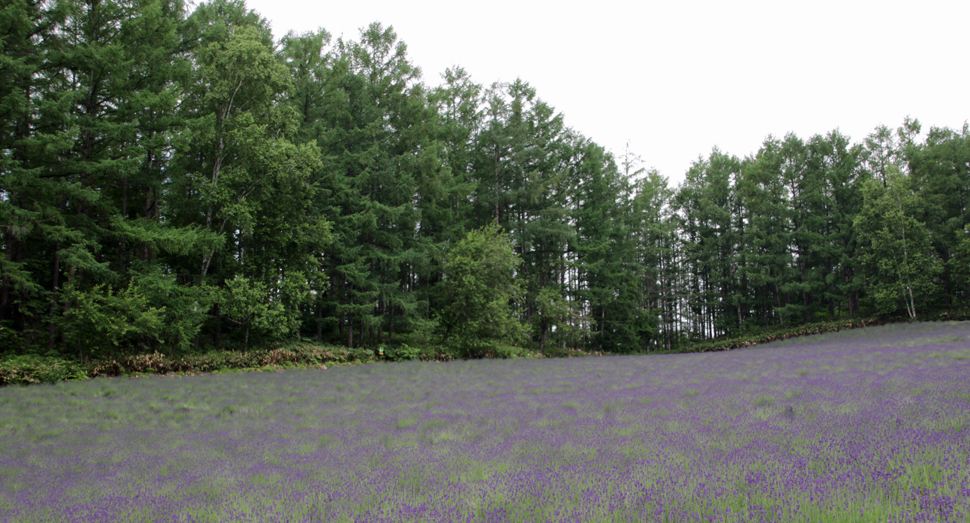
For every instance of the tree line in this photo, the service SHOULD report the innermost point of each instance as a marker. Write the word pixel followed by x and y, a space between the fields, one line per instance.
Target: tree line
pixel 185 180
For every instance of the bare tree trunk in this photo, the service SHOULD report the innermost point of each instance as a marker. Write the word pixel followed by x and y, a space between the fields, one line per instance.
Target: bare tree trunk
pixel 390 327
pixel 52 327
pixel 5 280
pixel 910 303
pixel 217 336
pixel 124 216
pixel 350 329
pixel 497 189
pixel 319 321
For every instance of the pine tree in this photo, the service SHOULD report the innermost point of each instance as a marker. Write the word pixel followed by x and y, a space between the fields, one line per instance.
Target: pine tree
pixel 941 173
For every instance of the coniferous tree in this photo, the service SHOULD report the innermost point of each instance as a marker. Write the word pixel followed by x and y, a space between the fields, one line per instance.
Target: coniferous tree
pixel 839 201
pixel 171 180
pixel 26 140
pixel 766 237
pixel 940 170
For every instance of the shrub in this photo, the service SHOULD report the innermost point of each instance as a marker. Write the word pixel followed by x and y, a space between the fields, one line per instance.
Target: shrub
pixel 24 370
pixel 103 320
pixel 474 348
pixel 292 354
pixel 480 284
pixel 403 352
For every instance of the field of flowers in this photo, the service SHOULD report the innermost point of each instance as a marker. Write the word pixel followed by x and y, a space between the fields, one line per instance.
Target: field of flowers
pixel 861 425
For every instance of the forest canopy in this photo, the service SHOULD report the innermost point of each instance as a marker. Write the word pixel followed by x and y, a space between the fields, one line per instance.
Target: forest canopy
pixel 187 180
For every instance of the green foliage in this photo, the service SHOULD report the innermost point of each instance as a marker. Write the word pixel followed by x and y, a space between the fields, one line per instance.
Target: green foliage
pixel 185 181
pixel 403 352
pixel 481 287
pixel 185 310
pixel 557 321
pixel 249 304
pixel 286 355
pixel 28 369
pixel 896 247
pixel 940 172
pixel 102 322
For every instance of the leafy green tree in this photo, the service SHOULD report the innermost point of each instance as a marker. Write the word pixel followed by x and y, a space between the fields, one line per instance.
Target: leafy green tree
pixel 239 178
pixel 557 320
pixel 91 147
pixel 802 185
pixel 481 287
pixel 896 248
pixel 378 148
pixel 524 181
pixel 449 177
pixel 836 165
pixel 653 228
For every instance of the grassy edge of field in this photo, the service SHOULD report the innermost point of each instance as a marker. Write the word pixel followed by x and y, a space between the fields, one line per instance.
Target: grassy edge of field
pixel 809 329
pixel 30 369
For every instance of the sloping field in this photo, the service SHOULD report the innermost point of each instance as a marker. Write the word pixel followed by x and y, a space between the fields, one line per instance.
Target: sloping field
pixel 861 425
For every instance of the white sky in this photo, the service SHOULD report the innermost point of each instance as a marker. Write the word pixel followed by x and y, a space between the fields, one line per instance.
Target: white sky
pixel 676 78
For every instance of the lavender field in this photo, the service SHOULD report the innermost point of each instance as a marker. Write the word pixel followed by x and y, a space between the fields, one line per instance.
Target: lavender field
pixel 862 425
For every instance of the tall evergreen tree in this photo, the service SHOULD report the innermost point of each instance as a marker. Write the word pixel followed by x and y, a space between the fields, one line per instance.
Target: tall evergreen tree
pixel 941 172
pixel 838 201
pixel 653 230
pixel 713 229
pixel 25 139
pixel 767 235
pixel 605 252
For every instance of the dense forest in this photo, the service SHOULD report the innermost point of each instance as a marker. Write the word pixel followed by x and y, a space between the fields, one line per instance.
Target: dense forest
pixel 185 180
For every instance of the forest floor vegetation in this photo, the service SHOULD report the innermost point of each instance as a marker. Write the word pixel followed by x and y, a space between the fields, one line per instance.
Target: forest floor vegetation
pixel 26 369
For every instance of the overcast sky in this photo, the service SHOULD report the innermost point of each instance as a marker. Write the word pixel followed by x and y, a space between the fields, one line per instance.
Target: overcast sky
pixel 678 78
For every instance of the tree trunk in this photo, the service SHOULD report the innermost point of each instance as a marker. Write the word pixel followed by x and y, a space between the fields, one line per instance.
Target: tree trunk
pixel 319 321
pixel 149 214
pixel 390 327
pixel 5 280
pixel 52 328
pixel 497 189
pixel 124 216
pixel 217 335
pixel 350 329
